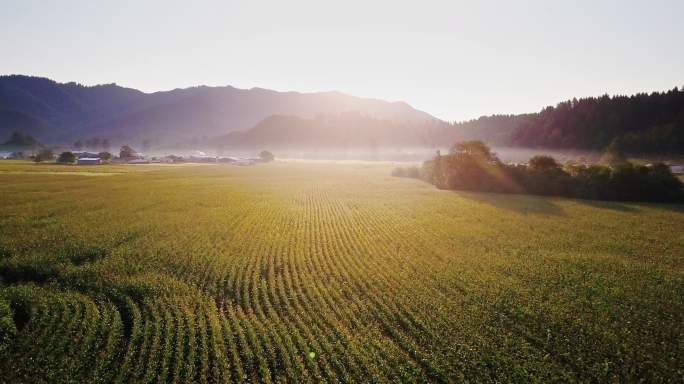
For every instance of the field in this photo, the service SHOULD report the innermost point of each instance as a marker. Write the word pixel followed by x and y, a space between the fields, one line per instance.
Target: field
pixel 300 272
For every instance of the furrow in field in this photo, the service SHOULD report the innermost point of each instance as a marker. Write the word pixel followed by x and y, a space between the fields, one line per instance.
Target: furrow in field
pixel 132 318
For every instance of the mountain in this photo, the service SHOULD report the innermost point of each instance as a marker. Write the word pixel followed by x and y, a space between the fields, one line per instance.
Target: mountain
pixel 256 118
pixel 345 130
pixel 55 112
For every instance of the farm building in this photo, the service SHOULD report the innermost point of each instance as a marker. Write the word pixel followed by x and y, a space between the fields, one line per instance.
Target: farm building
pixel 245 162
pixel 84 154
pixel 138 161
pixel 202 159
pixel 89 161
pixel 677 169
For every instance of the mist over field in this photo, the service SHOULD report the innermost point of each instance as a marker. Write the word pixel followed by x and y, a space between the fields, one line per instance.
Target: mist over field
pixel 516 155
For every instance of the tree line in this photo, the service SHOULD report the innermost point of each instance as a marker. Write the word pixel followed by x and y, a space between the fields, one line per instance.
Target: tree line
pixel 641 124
pixel 472 166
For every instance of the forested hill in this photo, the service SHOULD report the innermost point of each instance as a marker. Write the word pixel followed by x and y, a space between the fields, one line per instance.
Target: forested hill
pixel 345 130
pixel 54 112
pixel 642 123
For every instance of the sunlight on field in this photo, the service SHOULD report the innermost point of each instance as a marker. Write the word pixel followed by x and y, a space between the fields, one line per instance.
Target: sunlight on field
pixel 309 272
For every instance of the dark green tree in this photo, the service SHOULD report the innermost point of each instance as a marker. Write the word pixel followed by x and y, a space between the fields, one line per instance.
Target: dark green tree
pixel 66 158
pixel 105 156
pixel 44 154
pixel 266 156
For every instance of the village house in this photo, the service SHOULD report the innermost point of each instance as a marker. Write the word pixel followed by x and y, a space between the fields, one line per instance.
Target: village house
pixel 85 154
pixel 89 161
pixel 677 169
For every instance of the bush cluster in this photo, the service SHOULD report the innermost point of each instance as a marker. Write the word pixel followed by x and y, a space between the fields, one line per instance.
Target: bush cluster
pixel 472 166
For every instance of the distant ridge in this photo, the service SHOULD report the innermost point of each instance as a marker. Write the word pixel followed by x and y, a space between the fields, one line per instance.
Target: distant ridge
pixel 53 111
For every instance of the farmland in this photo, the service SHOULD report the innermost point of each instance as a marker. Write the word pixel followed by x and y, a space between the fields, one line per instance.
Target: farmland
pixel 301 272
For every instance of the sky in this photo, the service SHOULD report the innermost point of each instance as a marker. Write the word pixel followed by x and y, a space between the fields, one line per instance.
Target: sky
pixel 454 59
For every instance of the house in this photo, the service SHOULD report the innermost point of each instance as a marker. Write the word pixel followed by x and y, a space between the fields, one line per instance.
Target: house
pixel 202 159
pixel 89 161
pixel 244 162
pixel 677 169
pixel 173 159
pixel 85 154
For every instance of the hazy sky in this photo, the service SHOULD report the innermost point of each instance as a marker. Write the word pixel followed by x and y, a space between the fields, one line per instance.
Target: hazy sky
pixel 454 59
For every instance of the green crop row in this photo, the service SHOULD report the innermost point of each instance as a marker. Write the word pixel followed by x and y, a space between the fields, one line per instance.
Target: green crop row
pixel 330 273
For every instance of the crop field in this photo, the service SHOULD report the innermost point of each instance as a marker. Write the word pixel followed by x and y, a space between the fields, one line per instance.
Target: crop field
pixel 302 272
